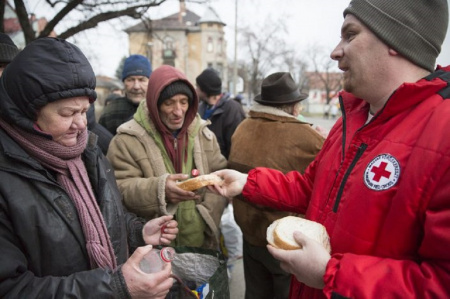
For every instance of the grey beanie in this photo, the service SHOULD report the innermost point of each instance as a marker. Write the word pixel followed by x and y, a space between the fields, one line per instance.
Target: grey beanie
pixel 177 87
pixel 415 29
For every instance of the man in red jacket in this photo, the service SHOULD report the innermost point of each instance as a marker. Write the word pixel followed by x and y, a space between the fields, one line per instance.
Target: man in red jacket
pixel 380 184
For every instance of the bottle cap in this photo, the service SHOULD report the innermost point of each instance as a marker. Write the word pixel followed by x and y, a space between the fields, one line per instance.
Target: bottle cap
pixel 195 172
pixel 167 254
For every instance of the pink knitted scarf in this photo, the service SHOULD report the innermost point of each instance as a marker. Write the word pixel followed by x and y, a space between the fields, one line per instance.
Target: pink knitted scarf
pixel 72 176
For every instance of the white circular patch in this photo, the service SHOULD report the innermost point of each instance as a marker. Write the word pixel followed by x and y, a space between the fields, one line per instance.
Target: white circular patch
pixel 382 172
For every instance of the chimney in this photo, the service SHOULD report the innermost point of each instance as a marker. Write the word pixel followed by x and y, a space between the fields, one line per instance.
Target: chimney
pixel 182 12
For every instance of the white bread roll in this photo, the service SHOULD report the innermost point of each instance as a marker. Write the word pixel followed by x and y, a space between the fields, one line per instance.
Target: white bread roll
pixel 280 233
pixel 199 182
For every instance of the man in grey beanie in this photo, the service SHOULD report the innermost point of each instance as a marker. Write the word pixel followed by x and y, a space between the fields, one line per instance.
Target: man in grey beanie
pixel 380 185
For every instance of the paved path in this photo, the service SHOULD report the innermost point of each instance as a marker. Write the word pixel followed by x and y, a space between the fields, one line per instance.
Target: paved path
pixel 237 281
pixel 317 120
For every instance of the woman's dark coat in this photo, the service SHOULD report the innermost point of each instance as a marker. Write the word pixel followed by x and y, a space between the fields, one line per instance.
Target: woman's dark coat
pixel 42 245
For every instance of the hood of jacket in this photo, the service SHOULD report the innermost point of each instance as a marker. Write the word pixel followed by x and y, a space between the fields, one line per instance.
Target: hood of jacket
pixel 47 70
pixel 159 79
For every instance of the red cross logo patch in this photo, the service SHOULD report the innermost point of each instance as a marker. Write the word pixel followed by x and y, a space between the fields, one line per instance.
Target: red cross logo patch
pixel 382 172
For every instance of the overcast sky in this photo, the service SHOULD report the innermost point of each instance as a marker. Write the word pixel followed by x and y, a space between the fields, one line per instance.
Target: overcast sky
pixel 309 23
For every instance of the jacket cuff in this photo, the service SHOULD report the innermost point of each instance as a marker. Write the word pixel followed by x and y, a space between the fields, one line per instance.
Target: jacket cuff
pixel 330 274
pixel 162 195
pixel 119 285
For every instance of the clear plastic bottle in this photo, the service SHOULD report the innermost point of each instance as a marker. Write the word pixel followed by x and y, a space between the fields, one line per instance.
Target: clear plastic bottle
pixel 155 260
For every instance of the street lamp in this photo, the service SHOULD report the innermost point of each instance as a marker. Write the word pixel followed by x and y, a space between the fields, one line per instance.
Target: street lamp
pixel 235 47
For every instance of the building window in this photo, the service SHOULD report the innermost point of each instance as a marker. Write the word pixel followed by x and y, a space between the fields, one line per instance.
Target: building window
pixel 219 69
pixel 168 51
pixel 220 46
pixel 209 45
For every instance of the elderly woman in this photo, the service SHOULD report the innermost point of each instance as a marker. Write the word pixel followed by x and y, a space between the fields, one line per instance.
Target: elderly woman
pixel 63 229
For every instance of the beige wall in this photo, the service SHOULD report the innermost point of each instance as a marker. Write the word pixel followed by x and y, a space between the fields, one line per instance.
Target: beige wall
pixel 192 56
pixel 138 42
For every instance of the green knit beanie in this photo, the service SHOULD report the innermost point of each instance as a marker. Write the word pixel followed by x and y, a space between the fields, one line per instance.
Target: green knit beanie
pixel 414 28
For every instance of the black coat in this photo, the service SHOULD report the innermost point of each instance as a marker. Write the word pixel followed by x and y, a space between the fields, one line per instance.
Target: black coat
pixel 42 245
pixel 104 136
pixel 224 120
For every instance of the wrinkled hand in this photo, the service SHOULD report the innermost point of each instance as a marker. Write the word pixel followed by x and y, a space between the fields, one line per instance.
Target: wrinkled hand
pixel 307 264
pixel 174 194
pixel 143 285
pixel 232 185
pixel 160 231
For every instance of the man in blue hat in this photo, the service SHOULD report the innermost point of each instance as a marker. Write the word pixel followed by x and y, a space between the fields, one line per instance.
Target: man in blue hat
pixel 135 74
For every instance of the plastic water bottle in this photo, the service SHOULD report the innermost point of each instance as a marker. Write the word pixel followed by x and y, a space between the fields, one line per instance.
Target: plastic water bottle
pixel 155 260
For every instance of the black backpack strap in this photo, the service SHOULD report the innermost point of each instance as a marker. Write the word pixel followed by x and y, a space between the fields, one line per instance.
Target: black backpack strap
pixel 445 92
pixel 335 295
pixel 444 76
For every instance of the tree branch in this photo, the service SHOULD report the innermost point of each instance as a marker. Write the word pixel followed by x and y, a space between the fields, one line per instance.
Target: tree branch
pixel 22 15
pixel 134 12
pixel 50 26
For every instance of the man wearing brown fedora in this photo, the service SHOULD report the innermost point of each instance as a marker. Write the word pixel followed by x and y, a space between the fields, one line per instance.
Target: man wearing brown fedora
pixel 271 136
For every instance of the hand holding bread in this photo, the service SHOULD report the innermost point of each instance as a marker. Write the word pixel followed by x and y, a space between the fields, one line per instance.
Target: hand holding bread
pixel 199 182
pixel 280 233
pixel 308 265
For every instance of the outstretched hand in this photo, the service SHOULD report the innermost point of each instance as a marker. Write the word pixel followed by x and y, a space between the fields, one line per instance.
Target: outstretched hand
pixel 308 264
pixel 160 231
pixel 174 194
pixel 232 185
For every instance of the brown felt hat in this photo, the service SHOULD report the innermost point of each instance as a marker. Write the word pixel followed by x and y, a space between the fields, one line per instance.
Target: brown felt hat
pixel 279 89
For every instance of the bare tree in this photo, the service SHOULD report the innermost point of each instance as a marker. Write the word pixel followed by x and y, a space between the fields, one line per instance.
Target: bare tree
pixel 89 14
pixel 298 68
pixel 324 71
pixel 264 49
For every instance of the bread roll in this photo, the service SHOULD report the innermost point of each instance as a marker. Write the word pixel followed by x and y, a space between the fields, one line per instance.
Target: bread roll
pixel 200 181
pixel 280 233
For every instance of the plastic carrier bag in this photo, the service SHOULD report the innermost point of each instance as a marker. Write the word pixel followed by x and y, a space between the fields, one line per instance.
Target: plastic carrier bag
pixel 199 273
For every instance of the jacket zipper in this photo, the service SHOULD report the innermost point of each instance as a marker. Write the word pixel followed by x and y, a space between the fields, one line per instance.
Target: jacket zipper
pixel 358 155
pixel 344 126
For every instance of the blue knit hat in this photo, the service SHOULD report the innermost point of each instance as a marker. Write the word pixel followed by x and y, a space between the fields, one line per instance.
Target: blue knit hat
pixel 136 65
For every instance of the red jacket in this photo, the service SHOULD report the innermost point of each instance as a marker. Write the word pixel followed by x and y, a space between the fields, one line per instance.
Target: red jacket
pixel 382 190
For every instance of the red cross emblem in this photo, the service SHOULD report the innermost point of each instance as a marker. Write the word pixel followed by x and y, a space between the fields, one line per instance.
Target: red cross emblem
pixel 382 172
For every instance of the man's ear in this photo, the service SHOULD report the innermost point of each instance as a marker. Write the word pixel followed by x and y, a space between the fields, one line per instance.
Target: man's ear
pixel 393 52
